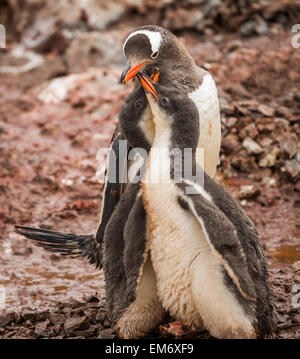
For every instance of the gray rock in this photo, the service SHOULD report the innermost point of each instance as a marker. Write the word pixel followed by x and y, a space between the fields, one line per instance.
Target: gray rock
pixel 292 170
pixel 255 26
pixel 252 147
pixel 86 333
pixel 75 323
pixel 57 319
pixel 296 266
pixel 93 299
pixel 288 146
pixel 41 329
pixel 181 18
pixel 230 144
pixel 101 315
pixel 248 192
pixel 6 319
pixel 266 110
pixel 106 334
pixel 95 49
pixel 269 159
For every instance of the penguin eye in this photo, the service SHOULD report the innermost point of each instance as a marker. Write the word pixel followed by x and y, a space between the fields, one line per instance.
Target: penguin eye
pixel 164 100
pixel 138 104
pixel 154 55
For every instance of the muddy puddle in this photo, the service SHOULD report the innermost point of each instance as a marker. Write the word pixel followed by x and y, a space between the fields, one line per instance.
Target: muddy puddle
pixel 285 254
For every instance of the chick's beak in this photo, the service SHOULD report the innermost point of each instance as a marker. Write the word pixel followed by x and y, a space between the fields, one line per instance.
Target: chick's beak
pixel 130 72
pixel 147 84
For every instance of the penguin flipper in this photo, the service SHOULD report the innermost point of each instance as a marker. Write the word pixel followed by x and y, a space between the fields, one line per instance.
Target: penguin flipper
pixel 113 187
pixel 113 251
pixel 222 238
pixel 136 248
pixel 67 244
pixel 253 249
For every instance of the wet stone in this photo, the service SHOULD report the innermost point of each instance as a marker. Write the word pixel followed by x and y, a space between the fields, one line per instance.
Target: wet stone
pixel 252 147
pixel 28 323
pixel 78 311
pixel 57 329
pixel 42 315
pixel 57 318
pixel 93 299
pixel 266 110
pixel 296 278
pixel 41 329
pixel 75 323
pixel 288 146
pixel 6 319
pixel 251 130
pixel 230 144
pixel 248 192
pixel 266 142
pixel 67 310
pixel 101 315
pixel 28 316
pixel 296 318
pixel 86 333
pixel 291 170
pixel 296 266
pixel 269 159
pixel 106 334
pixel 282 111
pixel 106 323
pixel 25 333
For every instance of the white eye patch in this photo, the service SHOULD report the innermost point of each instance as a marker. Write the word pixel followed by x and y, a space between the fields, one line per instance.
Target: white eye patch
pixel 155 39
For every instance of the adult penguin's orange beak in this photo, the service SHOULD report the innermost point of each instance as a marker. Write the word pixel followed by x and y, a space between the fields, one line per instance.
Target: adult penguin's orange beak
pixel 130 72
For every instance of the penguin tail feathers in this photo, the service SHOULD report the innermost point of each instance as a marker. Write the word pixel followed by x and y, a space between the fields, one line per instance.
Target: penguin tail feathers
pixel 66 244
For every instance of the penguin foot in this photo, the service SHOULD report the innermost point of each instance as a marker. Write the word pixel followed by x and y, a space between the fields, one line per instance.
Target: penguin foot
pixel 139 320
pixel 146 312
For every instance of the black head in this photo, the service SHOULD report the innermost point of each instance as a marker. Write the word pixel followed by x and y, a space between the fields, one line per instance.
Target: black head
pixel 146 43
pixel 132 112
pixel 149 47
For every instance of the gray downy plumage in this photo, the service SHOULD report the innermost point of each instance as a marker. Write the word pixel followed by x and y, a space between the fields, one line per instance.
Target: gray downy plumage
pixel 124 251
pixel 125 242
pixel 231 233
pixel 119 246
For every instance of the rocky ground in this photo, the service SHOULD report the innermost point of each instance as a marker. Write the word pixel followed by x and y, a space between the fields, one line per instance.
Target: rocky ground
pixel 60 98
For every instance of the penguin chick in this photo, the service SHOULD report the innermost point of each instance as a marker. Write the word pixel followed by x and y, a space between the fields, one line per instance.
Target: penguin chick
pixel 208 260
pixel 130 282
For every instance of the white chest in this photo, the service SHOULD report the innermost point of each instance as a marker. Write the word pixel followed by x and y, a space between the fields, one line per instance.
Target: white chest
pixel 176 241
pixel 207 103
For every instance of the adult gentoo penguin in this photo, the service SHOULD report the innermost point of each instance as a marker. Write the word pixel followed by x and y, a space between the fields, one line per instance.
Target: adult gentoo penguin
pixel 208 260
pixel 152 48
pixel 159 54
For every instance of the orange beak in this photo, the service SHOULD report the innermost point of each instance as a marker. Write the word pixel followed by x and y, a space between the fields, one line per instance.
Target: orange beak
pixel 132 72
pixel 147 84
pixel 154 77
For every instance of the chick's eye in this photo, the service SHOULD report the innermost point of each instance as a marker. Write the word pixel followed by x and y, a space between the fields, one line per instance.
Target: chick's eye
pixel 154 55
pixel 164 100
pixel 138 104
